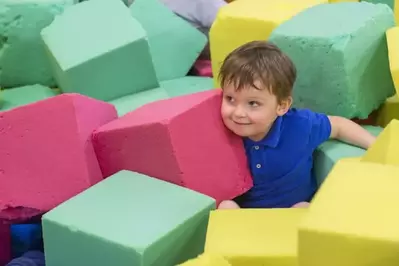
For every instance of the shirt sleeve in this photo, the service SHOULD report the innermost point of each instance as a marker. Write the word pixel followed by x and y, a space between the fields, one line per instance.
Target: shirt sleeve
pixel 320 128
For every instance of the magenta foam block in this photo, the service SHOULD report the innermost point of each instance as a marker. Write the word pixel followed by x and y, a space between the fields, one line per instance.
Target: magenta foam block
pixel 5 244
pixel 181 140
pixel 46 153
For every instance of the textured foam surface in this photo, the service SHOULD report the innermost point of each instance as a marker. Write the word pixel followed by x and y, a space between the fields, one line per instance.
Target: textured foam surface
pixel 110 63
pixel 46 153
pixel 385 149
pixel 207 260
pixel 174 43
pixel 352 220
pixel 341 59
pixel 390 3
pixel 388 111
pixel 181 140
pixel 24 95
pixel 393 53
pixel 23 60
pixel 186 85
pixel 244 21
pixel 127 219
pixel 328 153
pixel 5 244
pixel 255 236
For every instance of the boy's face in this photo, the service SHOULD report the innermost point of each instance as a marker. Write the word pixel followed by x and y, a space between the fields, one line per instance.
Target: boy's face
pixel 250 112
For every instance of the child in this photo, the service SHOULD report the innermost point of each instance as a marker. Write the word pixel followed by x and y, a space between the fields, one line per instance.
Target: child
pixel 257 81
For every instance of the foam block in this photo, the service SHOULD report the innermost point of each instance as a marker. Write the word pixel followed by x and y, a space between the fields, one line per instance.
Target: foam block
pixel 389 110
pixel 385 149
pixel 242 21
pixel 180 140
pixel 390 3
pixel 23 60
pixel 255 236
pixel 328 153
pixel 110 63
pixel 174 43
pixel 157 223
pixel 186 85
pixel 207 260
pixel 350 224
pixel 24 95
pixel 46 153
pixel 333 59
pixel 5 244
pixel 393 53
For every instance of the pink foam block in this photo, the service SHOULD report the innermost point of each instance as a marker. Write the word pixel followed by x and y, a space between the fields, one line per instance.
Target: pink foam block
pixel 5 244
pixel 181 140
pixel 46 154
pixel 203 68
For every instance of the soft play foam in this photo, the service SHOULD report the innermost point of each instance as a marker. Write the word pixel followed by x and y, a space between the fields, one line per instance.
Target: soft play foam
pixel 174 43
pixel 101 58
pixel 46 153
pixel 352 220
pixel 341 58
pixel 392 36
pixel 207 260
pixel 181 140
pixel 127 219
pixel 328 153
pixel 255 236
pixel 186 85
pixel 22 57
pixel 243 21
pixel 390 3
pixel 389 110
pixel 24 95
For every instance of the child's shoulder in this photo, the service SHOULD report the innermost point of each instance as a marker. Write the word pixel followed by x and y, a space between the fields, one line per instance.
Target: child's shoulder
pixel 303 118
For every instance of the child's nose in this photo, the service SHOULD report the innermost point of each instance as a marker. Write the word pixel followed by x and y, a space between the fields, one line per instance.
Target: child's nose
pixel 239 112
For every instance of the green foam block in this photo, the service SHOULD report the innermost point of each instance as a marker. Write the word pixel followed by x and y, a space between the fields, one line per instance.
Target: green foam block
pixel 169 88
pixel 12 98
pixel 175 44
pixel 127 219
pixel 390 3
pixel 99 57
pixel 328 153
pixel 342 58
pixel 23 60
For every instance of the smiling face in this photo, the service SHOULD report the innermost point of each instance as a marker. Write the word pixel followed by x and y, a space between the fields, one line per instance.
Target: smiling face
pixel 250 112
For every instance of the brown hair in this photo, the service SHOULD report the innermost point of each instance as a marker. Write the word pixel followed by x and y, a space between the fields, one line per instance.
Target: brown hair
pixel 259 61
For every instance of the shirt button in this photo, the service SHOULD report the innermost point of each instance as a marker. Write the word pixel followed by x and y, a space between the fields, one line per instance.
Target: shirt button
pixel 256 147
pixel 258 166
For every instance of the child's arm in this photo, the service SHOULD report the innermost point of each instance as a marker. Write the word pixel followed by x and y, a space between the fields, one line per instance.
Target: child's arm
pixel 348 131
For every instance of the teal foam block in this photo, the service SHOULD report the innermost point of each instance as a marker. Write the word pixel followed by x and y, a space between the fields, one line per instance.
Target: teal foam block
pixel 187 85
pixel 175 44
pixel 12 98
pixel 127 219
pixel 390 3
pixel 23 60
pixel 99 57
pixel 341 55
pixel 328 153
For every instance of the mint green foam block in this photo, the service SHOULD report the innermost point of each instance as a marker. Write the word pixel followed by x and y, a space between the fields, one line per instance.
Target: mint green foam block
pixel 23 60
pixel 12 98
pixel 100 57
pixel 175 44
pixel 328 153
pixel 187 85
pixel 390 3
pixel 127 219
pixel 340 51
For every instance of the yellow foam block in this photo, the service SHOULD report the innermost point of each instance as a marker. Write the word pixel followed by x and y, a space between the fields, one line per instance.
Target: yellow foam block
pixel 389 110
pixel 207 260
pixel 385 149
pixel 396 11
pixel 353 219
pixel 393 54
pixel 243 21
pixel 254 236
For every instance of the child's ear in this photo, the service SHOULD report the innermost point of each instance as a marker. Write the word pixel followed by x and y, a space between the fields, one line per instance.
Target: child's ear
pixel 284 106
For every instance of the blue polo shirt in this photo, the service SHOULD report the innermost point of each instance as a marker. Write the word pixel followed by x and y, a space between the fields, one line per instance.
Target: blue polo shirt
pixel 281 163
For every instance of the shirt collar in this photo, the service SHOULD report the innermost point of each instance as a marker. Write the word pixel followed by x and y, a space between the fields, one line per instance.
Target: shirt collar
pixel 272 138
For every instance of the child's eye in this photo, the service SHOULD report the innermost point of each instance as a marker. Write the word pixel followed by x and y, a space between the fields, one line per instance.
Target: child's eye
pixel 254 104
pixel 228 98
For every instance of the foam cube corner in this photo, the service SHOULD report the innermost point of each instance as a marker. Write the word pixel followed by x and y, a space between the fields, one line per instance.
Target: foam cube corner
pixel 101 58
pixel 385 149
pixel 139 220
pixel 174 43
pixel 207 260
pixel 389 111
pixel 243 21
pixel 329 152
pixel 328 57
pixel 46 153
pixel 255 236
pixel 352 220
pixel 181 140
